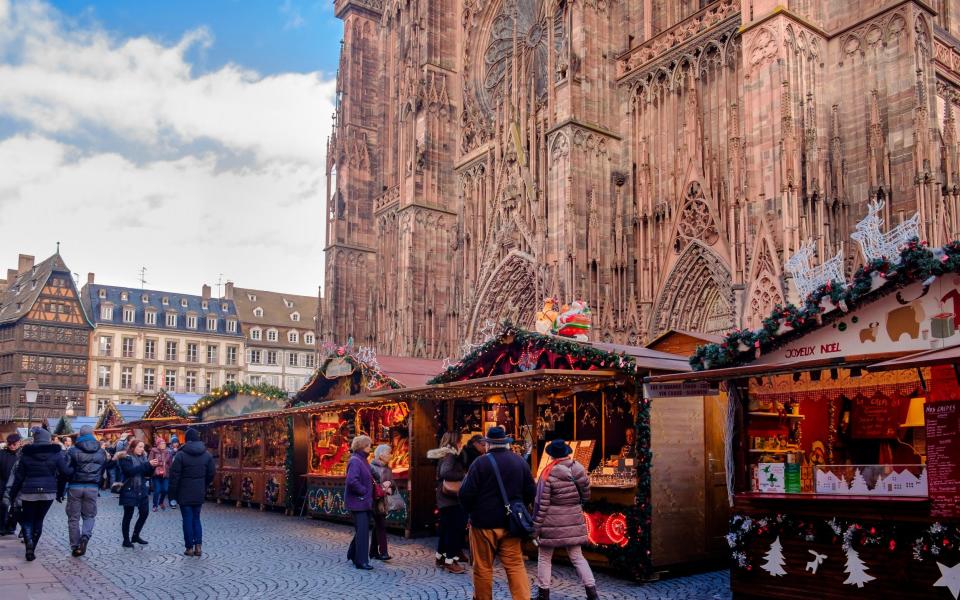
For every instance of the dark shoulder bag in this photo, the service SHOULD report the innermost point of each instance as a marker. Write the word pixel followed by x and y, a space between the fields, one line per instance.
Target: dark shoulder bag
pixel 519 522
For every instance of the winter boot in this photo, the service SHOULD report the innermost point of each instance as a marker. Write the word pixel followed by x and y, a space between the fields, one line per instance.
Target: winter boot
pixel 592 592
pixel 83 544
pixel 198 550
pixel 137 539
pixel 542 594
pixel 30 546
pixel 188 551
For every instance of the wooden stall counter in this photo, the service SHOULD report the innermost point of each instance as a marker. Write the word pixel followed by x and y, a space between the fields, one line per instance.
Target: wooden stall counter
pixel 325 500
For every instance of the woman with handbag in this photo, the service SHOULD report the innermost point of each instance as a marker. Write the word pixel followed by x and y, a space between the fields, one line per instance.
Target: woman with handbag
pixel 161 474
pixel 453 520
pixel 558 520
pixel 358 498
pixel 383 488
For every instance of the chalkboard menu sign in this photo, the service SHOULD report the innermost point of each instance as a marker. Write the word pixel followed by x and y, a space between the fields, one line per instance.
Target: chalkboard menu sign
pixel 878 417
pixel 943 458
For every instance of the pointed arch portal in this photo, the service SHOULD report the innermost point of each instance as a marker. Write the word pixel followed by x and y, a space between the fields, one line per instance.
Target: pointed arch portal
pixel 511 292
pixel 697 295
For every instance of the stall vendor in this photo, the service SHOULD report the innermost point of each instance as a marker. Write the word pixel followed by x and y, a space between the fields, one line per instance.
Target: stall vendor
pixel 629 449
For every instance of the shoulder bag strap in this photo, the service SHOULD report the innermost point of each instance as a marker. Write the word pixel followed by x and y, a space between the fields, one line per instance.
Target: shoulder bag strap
pixel 503 490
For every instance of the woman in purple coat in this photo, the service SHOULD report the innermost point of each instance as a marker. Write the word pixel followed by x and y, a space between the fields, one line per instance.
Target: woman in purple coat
pixel 359 500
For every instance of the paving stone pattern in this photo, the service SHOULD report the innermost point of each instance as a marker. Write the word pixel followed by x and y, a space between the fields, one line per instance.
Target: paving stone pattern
pixel 249 554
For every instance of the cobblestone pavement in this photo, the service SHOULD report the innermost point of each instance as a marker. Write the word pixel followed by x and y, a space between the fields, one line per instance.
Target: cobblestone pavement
pixel 249 554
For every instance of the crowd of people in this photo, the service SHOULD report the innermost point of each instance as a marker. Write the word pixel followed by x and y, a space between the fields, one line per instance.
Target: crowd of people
pixel 487 499
pixel 43 468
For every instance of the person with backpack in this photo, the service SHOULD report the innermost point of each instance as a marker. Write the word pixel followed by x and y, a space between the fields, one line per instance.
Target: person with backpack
pixel 558 520
pixel 451 533
pixel 496 480
pixel 86 462
pixel 190 476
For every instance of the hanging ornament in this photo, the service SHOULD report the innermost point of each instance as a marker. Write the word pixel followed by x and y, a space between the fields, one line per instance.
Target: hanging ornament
pixel 857 570
pixel 949 578
pixel 774 557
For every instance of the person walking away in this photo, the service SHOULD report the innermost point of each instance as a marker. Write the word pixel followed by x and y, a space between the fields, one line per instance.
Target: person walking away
pixel 452 532
pixel 383 476
pixel 190 476
pixel 558 520
pixel 86 462
pixel 358 498
pixel 481 497
pixel 161 474
pixel 8 458
pixel 137 468
pixel 38 479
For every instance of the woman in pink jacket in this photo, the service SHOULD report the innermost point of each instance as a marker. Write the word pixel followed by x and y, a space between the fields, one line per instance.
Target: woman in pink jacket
pixel 558 520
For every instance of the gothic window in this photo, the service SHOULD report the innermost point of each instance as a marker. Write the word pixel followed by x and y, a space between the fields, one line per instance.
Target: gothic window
pixel 696 222
pixel 766 294
pixel 520 25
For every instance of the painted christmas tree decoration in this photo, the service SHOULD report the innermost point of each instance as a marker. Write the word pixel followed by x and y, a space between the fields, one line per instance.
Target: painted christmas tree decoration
pixel 857 570
pixel 775 562
pixel 814 564
pixel 949 578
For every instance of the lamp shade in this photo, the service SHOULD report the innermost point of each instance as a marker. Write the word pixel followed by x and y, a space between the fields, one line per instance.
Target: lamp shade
pixel 914 413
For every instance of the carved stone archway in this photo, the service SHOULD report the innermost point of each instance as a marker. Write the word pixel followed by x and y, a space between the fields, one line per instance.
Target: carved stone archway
pixel 511 292
pixel 697 295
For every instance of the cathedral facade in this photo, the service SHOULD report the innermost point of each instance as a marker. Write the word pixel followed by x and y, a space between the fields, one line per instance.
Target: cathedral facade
pixel 659 159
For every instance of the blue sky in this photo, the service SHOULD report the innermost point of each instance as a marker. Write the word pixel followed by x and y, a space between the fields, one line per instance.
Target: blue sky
pixel 269 37
pixel 185 137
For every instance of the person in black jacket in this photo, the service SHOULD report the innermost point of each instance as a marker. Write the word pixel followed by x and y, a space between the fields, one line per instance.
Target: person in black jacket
pixel 37 479
pixel 86 461
pixel 8 458
pixel 134 493
pixel 190 476
pixel 480 496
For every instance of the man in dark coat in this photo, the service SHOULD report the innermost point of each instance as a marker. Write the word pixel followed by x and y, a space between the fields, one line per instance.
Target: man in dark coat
pixel 190 476
pixel 86 462
pixel 8 458
pixel 480 496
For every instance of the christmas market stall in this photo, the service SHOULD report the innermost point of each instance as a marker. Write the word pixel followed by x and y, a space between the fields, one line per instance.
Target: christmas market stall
pixel 114 419
pixel 842 432
pixel 540 387
pixel 167 417
pixel 69 426
pixel 247 435
pixel 338 403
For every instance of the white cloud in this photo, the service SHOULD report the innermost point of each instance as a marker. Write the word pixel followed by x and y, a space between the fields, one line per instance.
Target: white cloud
pixel 142 161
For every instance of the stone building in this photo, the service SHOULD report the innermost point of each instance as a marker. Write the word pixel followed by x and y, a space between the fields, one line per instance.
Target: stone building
pixel 659 159
pixel 44 333
pixel 279 336
pixel 146 340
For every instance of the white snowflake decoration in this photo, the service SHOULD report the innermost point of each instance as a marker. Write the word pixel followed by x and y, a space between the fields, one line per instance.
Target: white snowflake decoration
pixel 808 278
pixel 876 244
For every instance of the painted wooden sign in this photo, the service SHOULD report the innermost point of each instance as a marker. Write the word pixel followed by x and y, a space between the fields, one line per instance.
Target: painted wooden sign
pixel 915 318
pixel 877 417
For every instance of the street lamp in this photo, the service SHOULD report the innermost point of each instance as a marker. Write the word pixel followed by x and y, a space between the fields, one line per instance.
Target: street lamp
pixel 69 410
pixel 31 390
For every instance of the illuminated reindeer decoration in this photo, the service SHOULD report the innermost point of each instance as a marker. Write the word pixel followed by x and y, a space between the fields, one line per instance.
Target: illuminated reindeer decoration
pixel 876 244
pixel 808 278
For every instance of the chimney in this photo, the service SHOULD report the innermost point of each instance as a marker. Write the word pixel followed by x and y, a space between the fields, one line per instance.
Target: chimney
pixel 90 278
pixel 205 292
pixel 11 276
pixel 228 291
pixel 24 263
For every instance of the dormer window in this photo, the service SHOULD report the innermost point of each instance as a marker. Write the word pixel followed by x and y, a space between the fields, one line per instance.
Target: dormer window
pixel 272 335
pixel 252 297
pixel 258 312
pixel 211 323
pixel 171 319
pixel 106 313
pixel 150 317
pixel 255 334
pixel 308 338
pixel 287 303
pixel 191 321
pixel 165 301
pixel 123 296
pixel 145 298
pixel 225 307
pixel 128 314
pixel 183 302
pixel 232 326
pixel 295 317
pixel 101 293
pixel 293 337
pixel 204 305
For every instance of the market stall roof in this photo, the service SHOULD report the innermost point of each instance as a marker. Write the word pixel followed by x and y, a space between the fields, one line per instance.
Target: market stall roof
pixel 75 423
pixel 775 368
pixel 185 400
pixel 645 358
pixel 539 380
pixel 410 371
pixel 940 356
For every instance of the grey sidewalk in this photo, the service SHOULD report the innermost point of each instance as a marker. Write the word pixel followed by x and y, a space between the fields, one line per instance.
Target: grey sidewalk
pixel 20 580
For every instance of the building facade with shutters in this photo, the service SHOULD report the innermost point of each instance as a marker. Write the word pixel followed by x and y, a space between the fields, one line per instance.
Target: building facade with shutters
pixel 44 335
pixel 145 340
pixel 279 336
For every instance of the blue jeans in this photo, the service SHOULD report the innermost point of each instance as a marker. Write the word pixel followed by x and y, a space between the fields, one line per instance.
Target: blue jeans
pixel 359 551
pixel 161 485
pixel 192 530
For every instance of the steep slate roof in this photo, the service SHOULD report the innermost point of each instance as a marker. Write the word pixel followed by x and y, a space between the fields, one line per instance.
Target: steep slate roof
pixel 275 312
pixel 410 372
pixel 22 293
pixel 114 294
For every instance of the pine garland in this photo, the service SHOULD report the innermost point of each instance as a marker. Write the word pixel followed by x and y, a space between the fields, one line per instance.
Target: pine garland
pixel 787 323
pixel 230 389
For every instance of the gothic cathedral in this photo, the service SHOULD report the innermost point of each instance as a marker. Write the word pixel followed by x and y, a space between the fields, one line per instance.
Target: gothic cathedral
pixel 659 159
